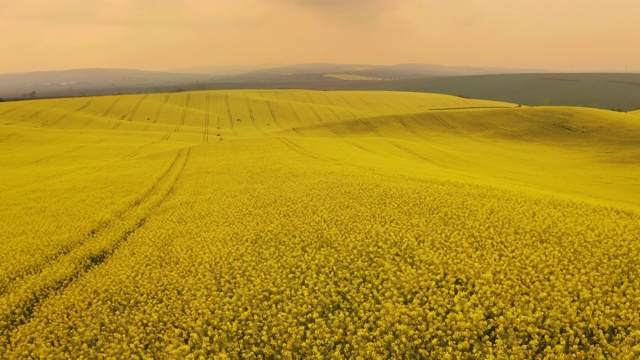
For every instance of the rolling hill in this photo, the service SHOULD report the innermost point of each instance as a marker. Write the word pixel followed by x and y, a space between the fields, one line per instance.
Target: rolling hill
pixel 253 223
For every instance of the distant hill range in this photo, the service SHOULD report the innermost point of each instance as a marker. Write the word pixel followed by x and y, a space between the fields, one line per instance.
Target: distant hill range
pixel 612 91
pixel 618 91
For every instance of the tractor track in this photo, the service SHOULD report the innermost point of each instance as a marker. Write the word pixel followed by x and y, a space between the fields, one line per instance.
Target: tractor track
pixel 273 114
pixel 7 137
pixel 158 111
pixel 135 108
pixel 205 135
pixel 26 294
pixel 108 111
pixel 231 126
pixel 184 113
pixel 324 123
pixel 64 116
pixel 37 113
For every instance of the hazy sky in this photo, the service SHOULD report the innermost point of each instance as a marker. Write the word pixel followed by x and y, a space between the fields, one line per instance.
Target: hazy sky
pixel 569 35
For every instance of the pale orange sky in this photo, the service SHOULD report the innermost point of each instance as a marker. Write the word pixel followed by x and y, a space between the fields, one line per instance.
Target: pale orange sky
pixel 567 35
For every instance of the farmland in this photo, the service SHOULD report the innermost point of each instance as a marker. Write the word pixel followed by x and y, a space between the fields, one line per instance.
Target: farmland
pixel 317 224
pixel 352 77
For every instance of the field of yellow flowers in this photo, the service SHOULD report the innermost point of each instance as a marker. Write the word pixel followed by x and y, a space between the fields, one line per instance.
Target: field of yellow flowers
pixel 313 224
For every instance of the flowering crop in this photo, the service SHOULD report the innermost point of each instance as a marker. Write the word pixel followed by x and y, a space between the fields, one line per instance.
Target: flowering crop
pixel 300 224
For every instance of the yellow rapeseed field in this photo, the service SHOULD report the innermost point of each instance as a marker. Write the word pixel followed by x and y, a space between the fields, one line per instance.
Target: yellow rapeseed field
pixel 315 224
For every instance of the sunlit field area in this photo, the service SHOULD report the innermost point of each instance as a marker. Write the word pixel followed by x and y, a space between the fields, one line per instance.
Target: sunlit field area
pixel 317 224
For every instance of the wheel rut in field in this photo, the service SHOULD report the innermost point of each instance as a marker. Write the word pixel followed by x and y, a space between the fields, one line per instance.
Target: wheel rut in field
pixel 64 116
pixel 231 126
pixel 298 149
pixel 108 111
pixel 325 123
pixel 7 137
pixel 205 134
pixel 24 295
pixel 135 108
pixel 184 113
pixel 158 111
pixel 253 118
pixel 37 113
pixel 273 114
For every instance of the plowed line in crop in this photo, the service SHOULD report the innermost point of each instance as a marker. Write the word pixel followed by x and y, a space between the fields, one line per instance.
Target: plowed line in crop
pixel 373 130
pixel 205 135
pixel 117 125
pixel 106 112
pixel 13 109
pixel 7 137
pixel 295 113
pixel 55 122
pixel 407 126
pixel 166 136
pixel 87 123
pixel 135 108
pixel 226 98
pixel 360 147
pixel 253 119
pixel 138 151
pixel 328 99
pixel 324 123
pixel 273 115
pixel 92 232
pixel 26 295
pixel 47 158
pixel 297 131
pixel 37 113
pixel 411 152
pixel 291 145
pixel 184 113
pixel 58 155
pixel 447 125
pixel 157 116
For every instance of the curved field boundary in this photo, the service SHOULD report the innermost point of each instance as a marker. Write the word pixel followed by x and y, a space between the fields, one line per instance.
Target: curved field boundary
pixel 135 108
pixel 25 295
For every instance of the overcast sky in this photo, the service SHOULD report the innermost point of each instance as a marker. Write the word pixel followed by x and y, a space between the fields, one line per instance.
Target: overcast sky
pixel 568 35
